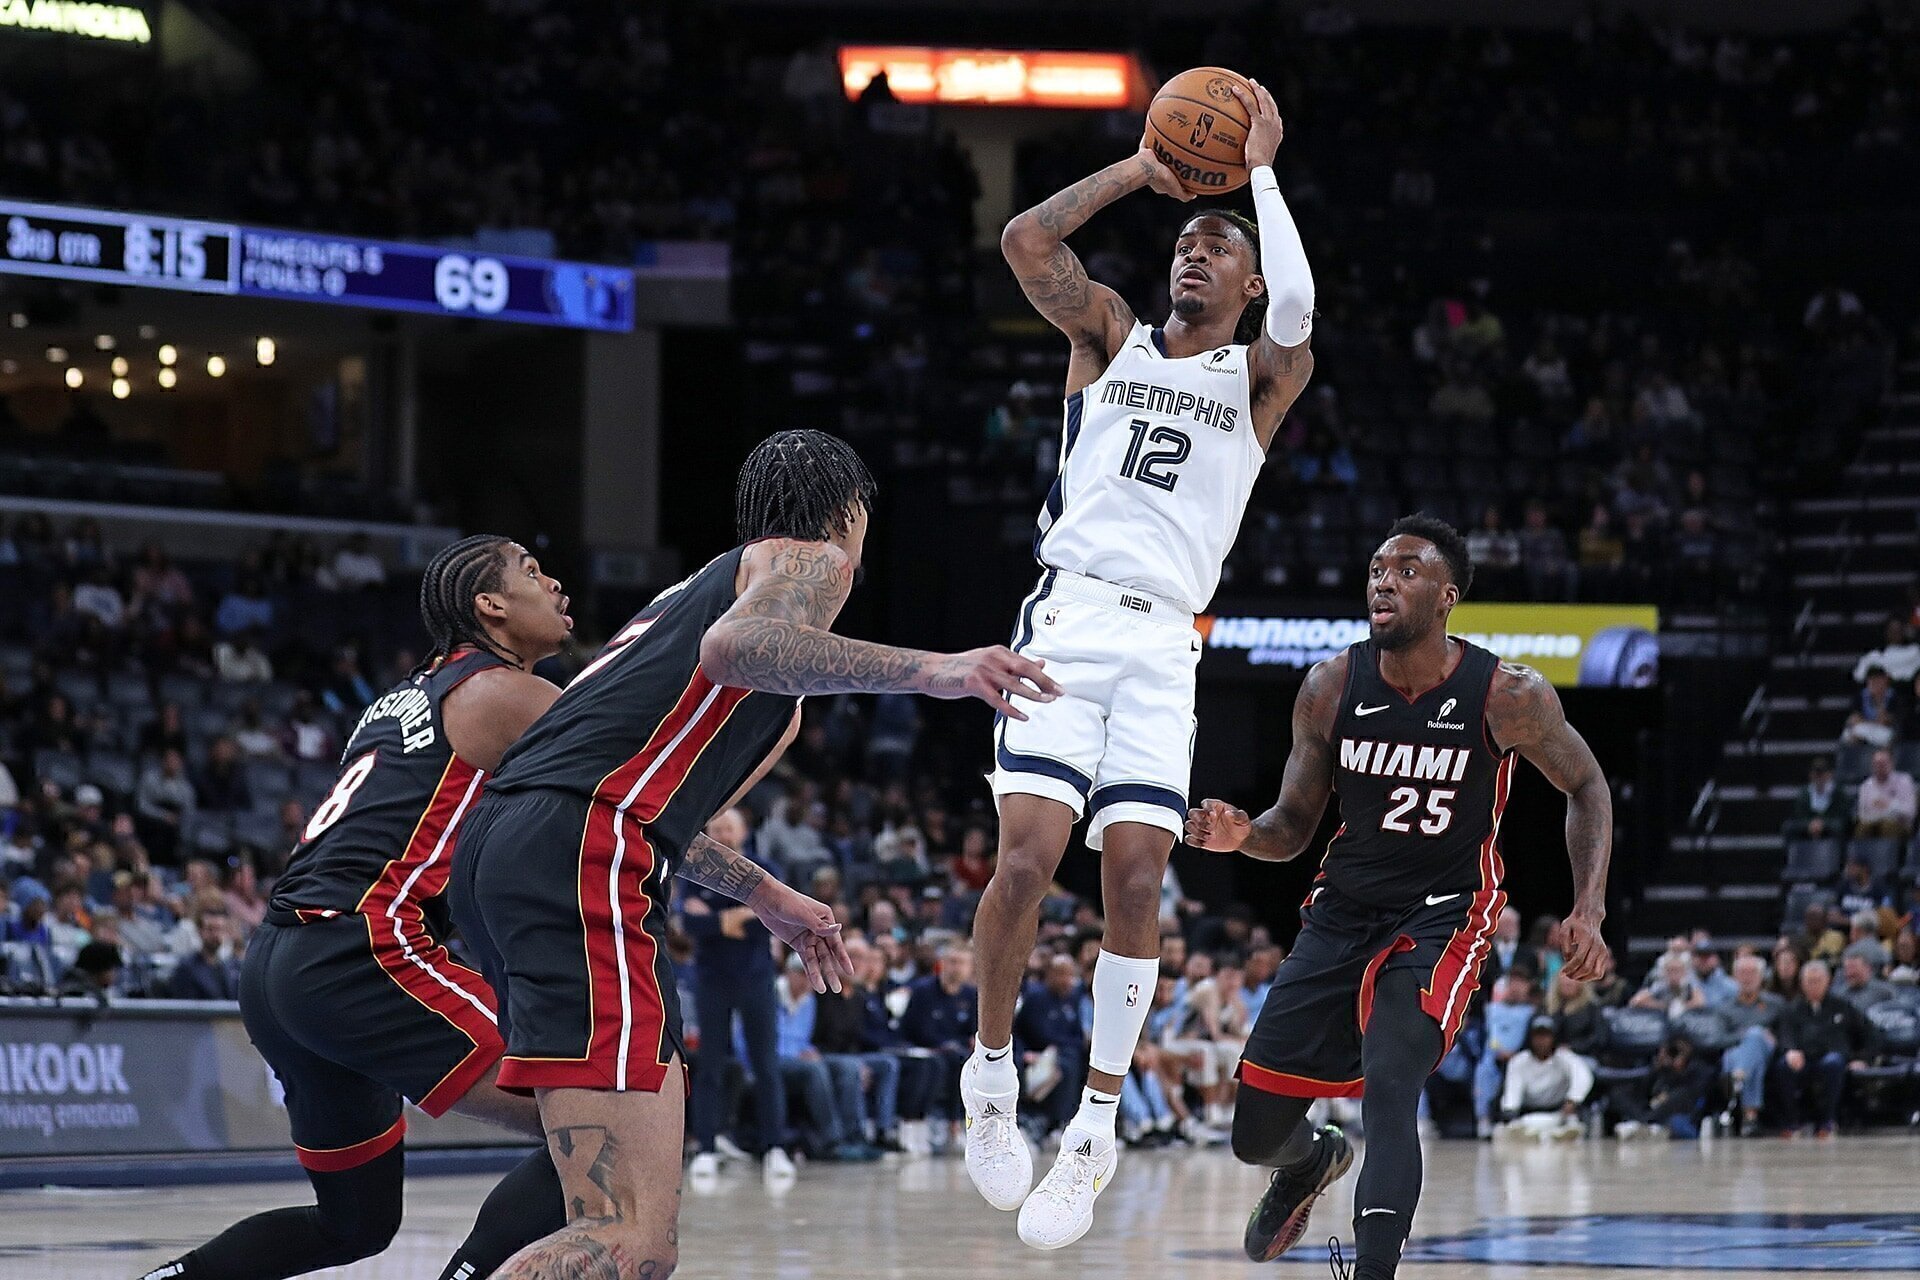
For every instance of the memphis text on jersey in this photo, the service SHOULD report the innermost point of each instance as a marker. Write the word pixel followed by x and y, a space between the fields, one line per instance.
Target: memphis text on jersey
pixel 1165 400
pixel 1404 760
pixel 412 707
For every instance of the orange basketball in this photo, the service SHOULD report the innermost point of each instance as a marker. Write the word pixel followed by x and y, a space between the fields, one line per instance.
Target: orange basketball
pixel 1199 129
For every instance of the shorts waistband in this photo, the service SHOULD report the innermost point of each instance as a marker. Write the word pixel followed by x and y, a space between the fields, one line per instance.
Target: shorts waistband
pixel 1076 586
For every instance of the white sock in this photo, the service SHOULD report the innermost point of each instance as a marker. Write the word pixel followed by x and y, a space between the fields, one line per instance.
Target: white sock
pixel 1122 997
pixel 1097 1111
pixel 997 1074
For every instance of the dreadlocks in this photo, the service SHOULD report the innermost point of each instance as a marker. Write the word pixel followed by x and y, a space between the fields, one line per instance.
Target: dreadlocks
pixel 1254 314
pixel 453 578
pixel 800 484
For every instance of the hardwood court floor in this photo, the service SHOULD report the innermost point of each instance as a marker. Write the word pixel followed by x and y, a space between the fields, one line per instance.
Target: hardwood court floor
pixel 1720 1211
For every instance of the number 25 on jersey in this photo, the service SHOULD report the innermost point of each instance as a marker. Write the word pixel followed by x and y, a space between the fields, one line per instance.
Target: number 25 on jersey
pixel 1404 802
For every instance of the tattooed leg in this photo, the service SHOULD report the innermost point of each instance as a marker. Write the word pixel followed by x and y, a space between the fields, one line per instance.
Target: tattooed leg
pixel 619 1160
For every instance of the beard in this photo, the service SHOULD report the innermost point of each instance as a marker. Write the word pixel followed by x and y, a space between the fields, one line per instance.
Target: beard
pixel 1401 633
pixel 1188 305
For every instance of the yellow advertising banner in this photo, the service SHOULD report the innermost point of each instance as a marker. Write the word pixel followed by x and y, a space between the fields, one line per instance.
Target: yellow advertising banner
pixel 1584 645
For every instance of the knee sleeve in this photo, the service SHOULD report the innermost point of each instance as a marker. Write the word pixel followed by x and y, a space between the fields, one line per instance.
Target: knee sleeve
pixel 358 1210
pixel 1269 1129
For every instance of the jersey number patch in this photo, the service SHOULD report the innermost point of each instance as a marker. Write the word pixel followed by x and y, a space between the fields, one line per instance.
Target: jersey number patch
pixel 1404 800
pixel 335 805
pixel 1155 466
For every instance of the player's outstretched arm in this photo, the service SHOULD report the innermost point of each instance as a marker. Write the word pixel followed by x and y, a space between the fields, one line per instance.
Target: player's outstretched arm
pixel 1282 356
pixel 1094 317
pixel 1280 833
pixel 805 924
pixel 1525 715
pixel 775 639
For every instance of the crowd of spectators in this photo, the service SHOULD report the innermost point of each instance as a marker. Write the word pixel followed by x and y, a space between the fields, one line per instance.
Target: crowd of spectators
pixel 165 729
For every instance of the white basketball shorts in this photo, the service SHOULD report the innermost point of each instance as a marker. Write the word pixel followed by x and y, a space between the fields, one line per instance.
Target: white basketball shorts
pixel 1119 743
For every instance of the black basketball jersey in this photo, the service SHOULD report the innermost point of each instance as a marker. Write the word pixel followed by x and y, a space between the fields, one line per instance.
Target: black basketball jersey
pixel 1421 785
pixel 384 835
pixel 644 730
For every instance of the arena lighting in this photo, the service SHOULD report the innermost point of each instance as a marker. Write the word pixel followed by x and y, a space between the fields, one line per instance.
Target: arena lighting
pixel 168 353
pixel 56 355
pixel 265 351
pixel 104 342
pixel 995 77
pixel 9 366
pixel 119 366
pixel 216 366
pixel 168 379
pixel 75 377
pixel 148 333
pixel 122 388
pixel 118 23
pixel 18 319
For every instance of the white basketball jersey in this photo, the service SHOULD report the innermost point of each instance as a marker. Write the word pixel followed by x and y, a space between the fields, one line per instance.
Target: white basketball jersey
pixel 1159 458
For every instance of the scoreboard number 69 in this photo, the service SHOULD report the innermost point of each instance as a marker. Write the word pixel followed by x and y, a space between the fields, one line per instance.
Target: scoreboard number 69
pixel 461 283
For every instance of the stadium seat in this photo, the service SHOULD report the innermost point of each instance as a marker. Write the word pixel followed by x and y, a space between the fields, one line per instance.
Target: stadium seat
pixel 1906 758
pixel 1707 1030
pixel 1851 762
pixel 129 689
pixel 1799 898
pixel 231 697
pixel 113 772
pixel 1633 1037
pixel 16 663
pixel 79 688
pixel 1881 854
pixel 268 780
pixel 62 768
pixel 189 691
pixel 259 830
pixel 314 776
pixel 207 834
pixel 208 723
pixel 1811 861
pixel 1911 871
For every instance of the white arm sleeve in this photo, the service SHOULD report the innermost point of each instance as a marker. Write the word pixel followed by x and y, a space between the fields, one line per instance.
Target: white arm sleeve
pixel 1283 261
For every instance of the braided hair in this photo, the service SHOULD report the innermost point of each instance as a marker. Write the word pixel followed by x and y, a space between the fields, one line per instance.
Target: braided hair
pixel 1254 314
pixel 799 484
pixel 453 578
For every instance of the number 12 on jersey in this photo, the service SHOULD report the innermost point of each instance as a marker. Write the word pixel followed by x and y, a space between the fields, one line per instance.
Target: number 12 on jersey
pixel 1406 800
pixel 1155 467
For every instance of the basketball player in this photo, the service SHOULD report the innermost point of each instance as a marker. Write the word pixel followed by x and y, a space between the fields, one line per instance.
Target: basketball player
pixel 347 990
pixel 1417 731
pixel 1166 431
pixel 561 886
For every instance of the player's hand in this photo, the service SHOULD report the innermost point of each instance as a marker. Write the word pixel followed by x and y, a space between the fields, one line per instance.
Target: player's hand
pixel 993 675
pixel 1218 826
pixel 1263 137
pixel 1587 957
pixel 809 928
pixel 1159 177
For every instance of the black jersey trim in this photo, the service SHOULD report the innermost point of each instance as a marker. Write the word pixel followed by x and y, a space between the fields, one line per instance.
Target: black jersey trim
pixel 1414 701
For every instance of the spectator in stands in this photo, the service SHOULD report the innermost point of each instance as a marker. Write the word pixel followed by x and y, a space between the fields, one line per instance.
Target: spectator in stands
pixel 1876 714
pixel 1543 553
pixel 1821 1039
pixel 69 924
pixel 348 690
pixel 1548 1080
pixel 212 972
pixel 1885 803
pixel 99 598
pixel 161 592
pixel 246 905
pixel 941 1016
pixel 1577 1017
pixel 1496 550
pixel 168 732
pixel 1751 1016
pixel 252 737
pixel 308 736
pixel 29 925
pixel 95 974
pixel 1859 890
pixel 1904 961
pixel 1643 486
pixel 1676 1092
pixel 1671 987
pixel 803 1071
pixel 1716 987
pixel 794 837
pixel 1051 1042
pixel 1818 940
pixel 164 800
pixel 239 659
pixel 1602 554
pixel 1509 952
pixel 1817 813
pixel 1860 984
pixel 1508 1018
pixel 1898 655
pixel 222 786
pixel 355 567
pixel 245 607
pixel 147 928
pixel 866 1078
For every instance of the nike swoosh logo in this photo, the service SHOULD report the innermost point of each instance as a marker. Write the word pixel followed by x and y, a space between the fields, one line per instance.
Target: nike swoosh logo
pixel 1367 1213
pixel 1433 900
pixel 1364 710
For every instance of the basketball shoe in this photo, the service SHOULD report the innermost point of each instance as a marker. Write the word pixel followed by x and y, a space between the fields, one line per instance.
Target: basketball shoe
pixel 1061 1208
pixel 998 1158
pixel 1280 1219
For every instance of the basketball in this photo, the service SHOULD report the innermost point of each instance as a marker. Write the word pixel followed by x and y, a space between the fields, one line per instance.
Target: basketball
pixel 1199 129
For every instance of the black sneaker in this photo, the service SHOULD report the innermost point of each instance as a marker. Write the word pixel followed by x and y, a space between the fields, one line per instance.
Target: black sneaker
pixel 1280 1219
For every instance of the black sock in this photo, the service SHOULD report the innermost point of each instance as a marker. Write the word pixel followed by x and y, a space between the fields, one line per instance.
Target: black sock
pixel 1271 1130
pixel 358 1211
pixel 1401 1048
pixel 526 1206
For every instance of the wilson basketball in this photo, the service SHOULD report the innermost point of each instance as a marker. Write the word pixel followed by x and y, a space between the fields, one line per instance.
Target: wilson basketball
pixel 1199 129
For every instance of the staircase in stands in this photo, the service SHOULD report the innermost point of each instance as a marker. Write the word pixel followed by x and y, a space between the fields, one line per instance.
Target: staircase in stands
pixel 1849 555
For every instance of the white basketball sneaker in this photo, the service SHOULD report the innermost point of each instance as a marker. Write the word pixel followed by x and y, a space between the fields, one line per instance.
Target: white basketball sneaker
pixel 998 1158
pixel 1061 1208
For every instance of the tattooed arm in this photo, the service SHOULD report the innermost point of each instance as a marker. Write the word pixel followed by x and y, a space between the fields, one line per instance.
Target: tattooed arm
pixel 1279 834
pixel 775 639
pixel 801 922
pixel 1093 317
pixel 1524 715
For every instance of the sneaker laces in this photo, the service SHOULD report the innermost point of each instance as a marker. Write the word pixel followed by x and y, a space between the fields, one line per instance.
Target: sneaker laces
pixel 994 1126
pixel 1075 1168
pixel 1336 1261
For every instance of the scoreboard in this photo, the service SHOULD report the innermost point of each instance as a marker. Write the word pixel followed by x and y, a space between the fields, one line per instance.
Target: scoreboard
pixel 110 247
